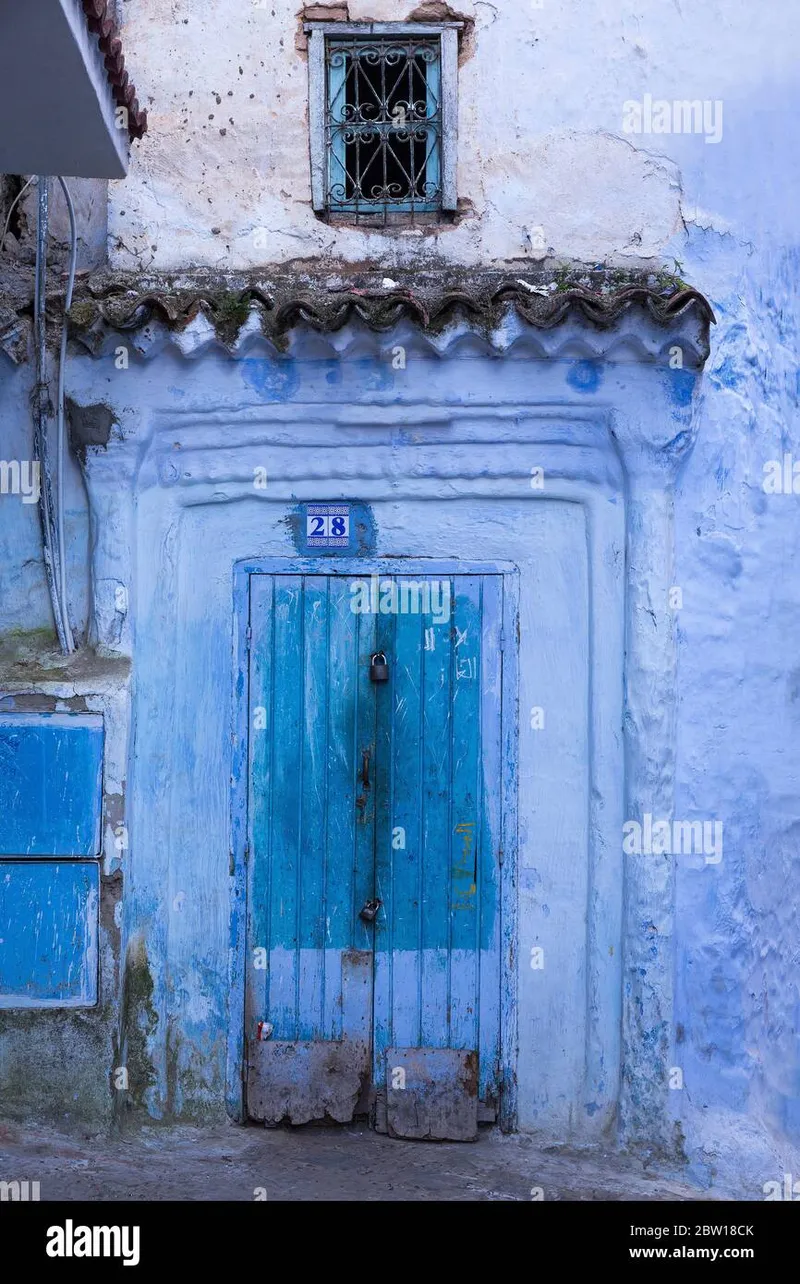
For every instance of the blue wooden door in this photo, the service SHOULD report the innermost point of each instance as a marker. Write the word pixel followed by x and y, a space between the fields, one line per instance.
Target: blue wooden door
pixel 373 961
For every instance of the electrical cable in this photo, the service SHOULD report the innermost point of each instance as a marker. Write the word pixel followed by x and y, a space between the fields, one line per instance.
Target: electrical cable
pixel 62 553
pixel 40 430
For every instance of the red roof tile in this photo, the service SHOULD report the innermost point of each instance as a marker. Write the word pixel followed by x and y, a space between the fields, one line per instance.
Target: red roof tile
pixel 103 25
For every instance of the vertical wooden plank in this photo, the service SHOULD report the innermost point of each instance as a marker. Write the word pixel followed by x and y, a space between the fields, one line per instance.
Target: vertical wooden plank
pixel 437 680
pixel 357 963
pixel 261 716
pixel 434 106
pixel 357 973
pixel 334 168
pixel 313 807
pixel 494 767
pixel 363 873
pixel 317 104
pixel 287 793
pixel 382 785
pixel 341 822
pixel 449 118
pixel 385 988
pixel 404 860
pixel 467 810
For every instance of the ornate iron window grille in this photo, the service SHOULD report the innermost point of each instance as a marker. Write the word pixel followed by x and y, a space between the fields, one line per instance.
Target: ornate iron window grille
pixel 383 131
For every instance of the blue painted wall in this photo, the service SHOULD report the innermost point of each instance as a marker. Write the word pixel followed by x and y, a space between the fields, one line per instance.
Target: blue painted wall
pixel 177 865
pixel 737 548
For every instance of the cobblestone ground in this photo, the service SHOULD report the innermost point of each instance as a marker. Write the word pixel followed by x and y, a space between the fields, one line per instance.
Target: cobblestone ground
pixel 348 1163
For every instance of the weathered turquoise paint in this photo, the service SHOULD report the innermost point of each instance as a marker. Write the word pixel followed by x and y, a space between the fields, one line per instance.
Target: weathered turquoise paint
pixel 362 791
pixel 48 934
pixel 439 726
pixel 311 848
pixel 51 769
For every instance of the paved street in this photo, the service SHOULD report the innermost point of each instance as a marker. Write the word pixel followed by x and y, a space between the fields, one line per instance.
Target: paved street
pixel 349 1163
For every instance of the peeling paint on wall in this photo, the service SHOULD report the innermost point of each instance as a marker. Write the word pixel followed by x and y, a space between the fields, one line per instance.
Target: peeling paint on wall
pixel 546 174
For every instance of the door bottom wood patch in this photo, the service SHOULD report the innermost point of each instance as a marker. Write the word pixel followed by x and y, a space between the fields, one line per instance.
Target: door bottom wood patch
pixel 432 1094
pixel 306 1081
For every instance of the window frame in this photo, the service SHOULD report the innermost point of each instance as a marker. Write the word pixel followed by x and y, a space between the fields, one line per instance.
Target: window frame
pixel 318 35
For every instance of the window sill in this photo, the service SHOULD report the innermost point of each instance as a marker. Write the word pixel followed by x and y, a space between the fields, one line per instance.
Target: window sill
pixel 388 221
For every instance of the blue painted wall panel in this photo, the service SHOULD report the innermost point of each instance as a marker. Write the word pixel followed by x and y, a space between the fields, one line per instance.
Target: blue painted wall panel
pixel 51 768
pixel 48 933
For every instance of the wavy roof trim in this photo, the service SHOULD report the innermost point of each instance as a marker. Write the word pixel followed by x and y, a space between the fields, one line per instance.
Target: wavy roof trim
pixel 228 308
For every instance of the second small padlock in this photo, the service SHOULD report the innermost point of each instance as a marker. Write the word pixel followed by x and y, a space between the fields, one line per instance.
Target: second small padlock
pixel 379 669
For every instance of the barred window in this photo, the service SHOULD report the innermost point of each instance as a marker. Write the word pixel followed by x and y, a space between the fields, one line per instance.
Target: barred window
pixel 383 119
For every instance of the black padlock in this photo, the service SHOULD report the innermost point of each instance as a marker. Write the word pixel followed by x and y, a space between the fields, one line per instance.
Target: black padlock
pixel 379 669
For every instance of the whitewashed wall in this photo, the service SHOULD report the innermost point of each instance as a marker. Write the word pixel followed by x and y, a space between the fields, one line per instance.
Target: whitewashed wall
pixel 541 131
